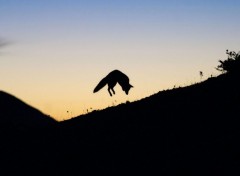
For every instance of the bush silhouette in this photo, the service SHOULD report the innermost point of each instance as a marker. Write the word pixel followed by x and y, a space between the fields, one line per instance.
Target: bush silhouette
pixel 231 64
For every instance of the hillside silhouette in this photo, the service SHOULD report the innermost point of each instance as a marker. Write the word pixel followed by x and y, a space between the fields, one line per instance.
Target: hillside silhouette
pixel 192 130
pixel 17 113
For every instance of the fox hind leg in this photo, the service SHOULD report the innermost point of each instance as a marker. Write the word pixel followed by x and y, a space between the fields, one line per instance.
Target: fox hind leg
pixel 113 90
pixel 109 90
pixel 110 87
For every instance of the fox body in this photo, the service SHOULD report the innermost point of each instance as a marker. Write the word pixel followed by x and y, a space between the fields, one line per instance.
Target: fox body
pixel 112 79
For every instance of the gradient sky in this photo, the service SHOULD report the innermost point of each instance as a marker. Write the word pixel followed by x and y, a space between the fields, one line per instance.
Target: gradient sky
pixel 60 49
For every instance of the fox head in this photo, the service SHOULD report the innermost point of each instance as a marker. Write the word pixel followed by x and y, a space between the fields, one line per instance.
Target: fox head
pixel 127 88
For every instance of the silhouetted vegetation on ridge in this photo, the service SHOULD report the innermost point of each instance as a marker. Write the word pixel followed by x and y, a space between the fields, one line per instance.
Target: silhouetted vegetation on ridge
pixel 193 130
pixel 231 64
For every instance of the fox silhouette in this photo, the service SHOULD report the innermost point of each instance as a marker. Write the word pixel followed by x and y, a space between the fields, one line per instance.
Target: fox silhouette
pixel 112 79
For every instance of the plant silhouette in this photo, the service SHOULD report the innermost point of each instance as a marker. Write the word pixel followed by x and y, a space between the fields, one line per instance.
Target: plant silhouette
pixel 231 64
pixel 201 74
pixel 112 79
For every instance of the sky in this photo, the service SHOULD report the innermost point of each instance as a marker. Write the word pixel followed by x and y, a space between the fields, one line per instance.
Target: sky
pixel 58 50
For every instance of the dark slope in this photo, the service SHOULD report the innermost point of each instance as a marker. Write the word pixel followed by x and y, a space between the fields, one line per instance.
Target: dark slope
pixel 17 114
pixel 191 130
pixel 27 137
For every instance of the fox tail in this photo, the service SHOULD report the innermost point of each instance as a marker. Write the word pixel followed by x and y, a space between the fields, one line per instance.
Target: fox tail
pixel 100 85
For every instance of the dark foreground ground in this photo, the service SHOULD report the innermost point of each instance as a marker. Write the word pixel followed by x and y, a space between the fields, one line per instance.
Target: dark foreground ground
pixel 193 130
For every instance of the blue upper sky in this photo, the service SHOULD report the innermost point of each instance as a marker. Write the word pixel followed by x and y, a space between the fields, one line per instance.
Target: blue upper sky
pixel 107 16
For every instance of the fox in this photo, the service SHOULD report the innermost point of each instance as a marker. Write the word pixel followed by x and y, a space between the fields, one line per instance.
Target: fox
pixel 112 79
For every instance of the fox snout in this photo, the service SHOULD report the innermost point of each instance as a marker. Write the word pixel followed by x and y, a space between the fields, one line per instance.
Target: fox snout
pixel 127 90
